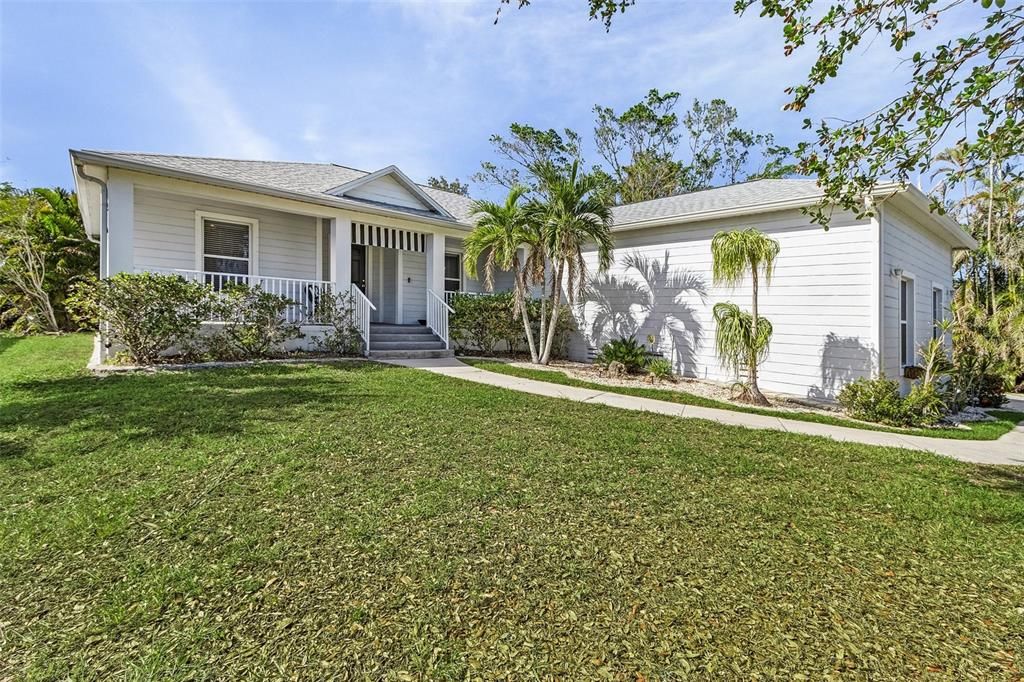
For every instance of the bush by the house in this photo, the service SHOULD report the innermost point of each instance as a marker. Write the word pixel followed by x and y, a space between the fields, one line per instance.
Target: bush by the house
pixel 660 369
pixel 479 323
pixel 627 351
pixel 337 312
pixel 254 323
pixel 875 400
pixel 146 313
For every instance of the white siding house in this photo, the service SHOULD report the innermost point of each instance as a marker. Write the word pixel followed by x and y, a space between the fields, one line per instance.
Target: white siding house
pixel 833 301
pixel 850 302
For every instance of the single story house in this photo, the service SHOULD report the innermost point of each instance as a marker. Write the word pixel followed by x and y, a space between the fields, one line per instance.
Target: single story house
pixel 852 301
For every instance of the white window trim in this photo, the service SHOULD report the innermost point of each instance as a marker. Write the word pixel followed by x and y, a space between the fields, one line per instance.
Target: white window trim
pixel 910 347
pixel 462 269
pixel 254 237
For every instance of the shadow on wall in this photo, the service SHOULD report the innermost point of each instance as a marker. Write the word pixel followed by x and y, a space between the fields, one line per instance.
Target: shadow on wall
pixel 655 307
pixel 843 359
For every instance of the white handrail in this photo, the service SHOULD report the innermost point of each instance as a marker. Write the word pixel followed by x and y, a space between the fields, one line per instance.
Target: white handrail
pixel 361 307
pixel 437 316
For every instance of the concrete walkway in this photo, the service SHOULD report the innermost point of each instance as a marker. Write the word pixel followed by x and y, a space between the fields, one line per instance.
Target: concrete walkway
pixel 1007 450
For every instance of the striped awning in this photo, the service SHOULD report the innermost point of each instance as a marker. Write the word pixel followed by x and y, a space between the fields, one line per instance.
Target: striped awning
pixel 388 237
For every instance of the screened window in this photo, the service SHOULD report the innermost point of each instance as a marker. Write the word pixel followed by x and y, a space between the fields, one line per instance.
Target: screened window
pixel 452 272
pixel 937 315
pixel 226 247
pixel 906 322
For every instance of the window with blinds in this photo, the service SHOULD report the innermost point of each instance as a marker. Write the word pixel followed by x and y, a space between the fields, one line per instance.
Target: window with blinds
pixel 226 247
pixel 452 272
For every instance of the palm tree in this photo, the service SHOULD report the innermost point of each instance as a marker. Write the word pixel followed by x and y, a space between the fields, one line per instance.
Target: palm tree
pixel 574 214
pixel 500 231
pixel 741 338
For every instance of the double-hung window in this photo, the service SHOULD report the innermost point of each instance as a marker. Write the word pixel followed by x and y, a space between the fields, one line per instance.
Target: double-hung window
pixel 452 272
pixel 226 247
pixel 906 322
pixel 937 316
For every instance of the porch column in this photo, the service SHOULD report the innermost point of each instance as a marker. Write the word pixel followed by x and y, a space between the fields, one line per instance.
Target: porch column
pixel 120 237
pixel 435 263
pixel 340 270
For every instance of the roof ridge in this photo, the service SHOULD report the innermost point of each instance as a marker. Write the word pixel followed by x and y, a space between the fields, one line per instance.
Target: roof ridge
pixel 222 158
pixel 297 163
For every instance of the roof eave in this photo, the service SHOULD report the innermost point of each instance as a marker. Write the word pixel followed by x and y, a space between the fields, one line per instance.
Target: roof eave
pixel 333 202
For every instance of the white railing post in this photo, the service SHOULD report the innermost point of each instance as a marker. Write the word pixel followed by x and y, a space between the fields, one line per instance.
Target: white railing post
pixel 361 307
pixel 437 316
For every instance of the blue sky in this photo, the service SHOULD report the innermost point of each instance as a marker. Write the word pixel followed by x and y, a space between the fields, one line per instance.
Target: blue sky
pixel 416 83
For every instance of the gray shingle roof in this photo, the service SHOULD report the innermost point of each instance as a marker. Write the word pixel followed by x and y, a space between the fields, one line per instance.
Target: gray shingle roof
pixel 309 179
pixel 315 179
pixel 745 194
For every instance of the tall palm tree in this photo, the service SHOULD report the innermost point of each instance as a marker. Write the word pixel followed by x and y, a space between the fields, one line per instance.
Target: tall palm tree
pixel 500 231
pixel 741 338
pixel 575 214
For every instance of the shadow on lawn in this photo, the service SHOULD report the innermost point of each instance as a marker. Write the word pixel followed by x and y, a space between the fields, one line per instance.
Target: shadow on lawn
pixel 160 406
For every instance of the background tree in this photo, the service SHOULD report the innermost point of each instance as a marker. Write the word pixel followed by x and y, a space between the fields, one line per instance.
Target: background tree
pixel 500 232
pixel 43 253
pixel 443 183
pixel 648 151
pixel 970 86
pixel 524 151
pixel 741 338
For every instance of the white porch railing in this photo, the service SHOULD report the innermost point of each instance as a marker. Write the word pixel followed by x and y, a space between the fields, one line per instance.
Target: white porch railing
pixel 449 295
pixel 362 308
pixel 437 316
pixel 305 294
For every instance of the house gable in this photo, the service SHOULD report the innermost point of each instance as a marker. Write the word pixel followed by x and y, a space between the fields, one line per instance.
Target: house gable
pixel 391 187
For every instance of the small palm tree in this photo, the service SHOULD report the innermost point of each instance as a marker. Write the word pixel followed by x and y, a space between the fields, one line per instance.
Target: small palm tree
pixel 500 231
pixel 742 338
pixel 575 213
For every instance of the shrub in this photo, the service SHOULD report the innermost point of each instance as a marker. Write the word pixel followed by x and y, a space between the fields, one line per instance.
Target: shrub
pixel 991 390
pixel 875 400
pixel 480 322
pixel 924 405
pixel 146 313
pixel 337 312
pixel 631 354
pixel 660 369
pixel 254 323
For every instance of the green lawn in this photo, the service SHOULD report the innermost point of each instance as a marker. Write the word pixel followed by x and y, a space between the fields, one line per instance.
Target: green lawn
pixel 361 521
pixel 1005 420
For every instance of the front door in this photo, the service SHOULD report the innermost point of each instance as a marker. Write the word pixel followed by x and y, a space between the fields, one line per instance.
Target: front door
pixel 359 266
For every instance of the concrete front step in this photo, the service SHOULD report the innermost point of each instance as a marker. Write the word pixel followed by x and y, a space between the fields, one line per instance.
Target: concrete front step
pixel 406 345
pixel 410 354
pixel 377 338
pixel 399 328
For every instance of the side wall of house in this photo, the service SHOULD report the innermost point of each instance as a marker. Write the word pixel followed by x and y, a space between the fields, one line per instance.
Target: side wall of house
pixel 822 301
pixel 926 261
pixel 503 281
pixel 165 234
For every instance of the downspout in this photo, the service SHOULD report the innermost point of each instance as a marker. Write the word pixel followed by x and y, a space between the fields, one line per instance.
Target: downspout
pixel 104 345
pixel 102 241
pixel 881 289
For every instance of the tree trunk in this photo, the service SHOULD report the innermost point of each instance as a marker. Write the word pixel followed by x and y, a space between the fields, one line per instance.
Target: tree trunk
pixel 521 303
pixel 556 299
pixel 756 397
